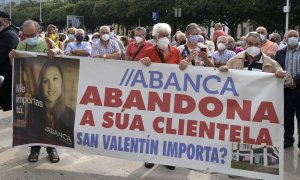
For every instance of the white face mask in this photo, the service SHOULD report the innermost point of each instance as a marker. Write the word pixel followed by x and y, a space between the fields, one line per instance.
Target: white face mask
pixel 253 51
pixel 221 46
pixel 263 37
pixel 138 39
pixel 105 37
pixel 96 40
pixel 163 43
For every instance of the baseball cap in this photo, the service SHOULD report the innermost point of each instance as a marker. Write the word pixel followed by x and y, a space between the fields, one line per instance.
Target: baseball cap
pixel 5 14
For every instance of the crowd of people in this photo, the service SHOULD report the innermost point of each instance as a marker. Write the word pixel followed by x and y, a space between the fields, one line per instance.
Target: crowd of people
pixel 256 52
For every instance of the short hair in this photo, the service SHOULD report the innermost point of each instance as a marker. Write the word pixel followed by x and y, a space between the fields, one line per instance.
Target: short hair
pixel 192 26
pixel 51 26
pixel 261 27
pixel 161 27
pixel 253 34
pixel 222 37
pixel 102 27
pixel 141 29
pixel 95 34
pixel 79 31
pixel 31 22
pixel 230 37
pixel 71 30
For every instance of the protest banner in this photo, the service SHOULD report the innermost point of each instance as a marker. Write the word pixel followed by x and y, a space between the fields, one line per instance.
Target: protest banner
pixel 199 118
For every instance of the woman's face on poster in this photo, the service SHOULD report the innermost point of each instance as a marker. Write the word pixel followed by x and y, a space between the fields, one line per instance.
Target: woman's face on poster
pixel 52 84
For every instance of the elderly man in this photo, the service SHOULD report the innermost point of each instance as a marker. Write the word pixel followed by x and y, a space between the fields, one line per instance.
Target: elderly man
pixel 9 40
pixel 136 48
pixel 106 48
pixel 34 43
pixel 231 45
pixel 252 59
pixel 180 39
pixel 289 59
pixel 222 55
pixel 162 52
pixel 276 38
pixel 268 47
pixel 78 47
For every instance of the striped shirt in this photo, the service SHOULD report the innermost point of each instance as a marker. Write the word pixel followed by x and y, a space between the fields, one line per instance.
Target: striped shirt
pixel 292 61
pixel 221 59
pixel 99 49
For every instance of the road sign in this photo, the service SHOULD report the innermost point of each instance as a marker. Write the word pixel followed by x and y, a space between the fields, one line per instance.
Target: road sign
pixel 155 15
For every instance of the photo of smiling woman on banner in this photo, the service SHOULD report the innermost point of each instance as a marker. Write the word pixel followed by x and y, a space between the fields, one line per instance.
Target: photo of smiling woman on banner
pixel 57 119
pixel 49 114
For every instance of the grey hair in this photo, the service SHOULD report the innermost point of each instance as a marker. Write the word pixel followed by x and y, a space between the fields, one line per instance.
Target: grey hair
pixel 161 27
pixel 102 27
pixel 79 31
pixel 222 37
pixel 31 22
pixel 253 34
pixel 192 26
pixel 142 29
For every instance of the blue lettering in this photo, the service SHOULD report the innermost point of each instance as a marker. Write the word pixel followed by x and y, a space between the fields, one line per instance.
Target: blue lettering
pixel 199 150
pixel 182 149
pixel 205 82
pixel 154 79
pixel 188 80
pixel 134 145
pixel 106 141
pixel 139 78
pixel 214 155
pixel 90 140
pixel 172 149
pixel 113 144
pixel 126 144
pixel 175 82
pixel 120 148
pixel 207 149
pixel 229 82
pixel 191 151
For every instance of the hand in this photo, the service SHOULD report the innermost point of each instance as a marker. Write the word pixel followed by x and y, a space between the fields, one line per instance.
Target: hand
pixel 51 53
pixel 223 68
pixel 183 64
pixel 12 54
pixel 146 61
pixel 280 74
pixel 192 55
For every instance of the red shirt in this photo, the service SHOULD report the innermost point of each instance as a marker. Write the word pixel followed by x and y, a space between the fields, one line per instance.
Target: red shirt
pixel 173 57
pixel 133 48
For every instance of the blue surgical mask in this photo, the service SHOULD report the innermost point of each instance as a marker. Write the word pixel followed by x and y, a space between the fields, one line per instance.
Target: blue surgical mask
pixel 293 41
pixel 194 38
pixel 32 41
pixel 111 35
pixel 70 36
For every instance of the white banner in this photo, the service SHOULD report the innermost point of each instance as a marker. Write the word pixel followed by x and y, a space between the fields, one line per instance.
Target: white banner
pixel 199 118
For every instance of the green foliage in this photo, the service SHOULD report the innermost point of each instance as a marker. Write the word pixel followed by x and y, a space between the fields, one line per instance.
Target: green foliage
pixel 129 13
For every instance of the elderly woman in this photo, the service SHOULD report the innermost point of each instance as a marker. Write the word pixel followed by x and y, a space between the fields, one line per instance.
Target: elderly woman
pixel 70 35
pixel 52 116
pixel 194 52
pixel 161 52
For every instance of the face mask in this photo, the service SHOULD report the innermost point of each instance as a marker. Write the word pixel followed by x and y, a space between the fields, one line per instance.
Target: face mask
pixel 79 38
pixel 221 46
pixel 230 46
pixel 183 42
pixel 53 36
pixel 71 36
pixel 138 39
pixel 163 43
pixel 105 37
pixel 96 40
pixel 263 37
pixel 243 43
pixel 194 38
pixel 32 41
pixel 111 35
pixel 293 41
pixel 253 51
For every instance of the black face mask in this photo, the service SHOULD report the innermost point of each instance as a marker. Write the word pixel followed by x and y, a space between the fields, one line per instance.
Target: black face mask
pixel 79 38
pixel 183 42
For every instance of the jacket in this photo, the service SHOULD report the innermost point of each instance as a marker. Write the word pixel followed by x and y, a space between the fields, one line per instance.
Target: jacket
pixel 269 65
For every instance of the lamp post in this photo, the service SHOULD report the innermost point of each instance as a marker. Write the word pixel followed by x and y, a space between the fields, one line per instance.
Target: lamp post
pixel 41 10
pixel 286 9
pixel 9 9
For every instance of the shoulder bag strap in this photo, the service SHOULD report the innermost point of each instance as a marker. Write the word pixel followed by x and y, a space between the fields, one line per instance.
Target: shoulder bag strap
pixel 160 55
pixel 137 52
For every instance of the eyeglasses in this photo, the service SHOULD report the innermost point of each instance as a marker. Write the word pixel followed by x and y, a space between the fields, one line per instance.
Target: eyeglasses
pixel 30 35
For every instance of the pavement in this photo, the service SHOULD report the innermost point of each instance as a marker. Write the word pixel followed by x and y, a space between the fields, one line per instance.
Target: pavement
pixel 75 165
